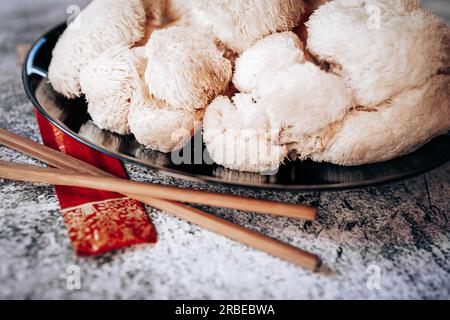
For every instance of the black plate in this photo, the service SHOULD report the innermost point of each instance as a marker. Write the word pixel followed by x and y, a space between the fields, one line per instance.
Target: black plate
pixel 72 118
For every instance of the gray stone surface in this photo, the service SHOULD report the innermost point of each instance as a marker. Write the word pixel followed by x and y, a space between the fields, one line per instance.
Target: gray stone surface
pixel 402 228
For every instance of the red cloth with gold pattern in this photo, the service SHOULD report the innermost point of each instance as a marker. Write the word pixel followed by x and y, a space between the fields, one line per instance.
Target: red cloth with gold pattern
pixel 97 221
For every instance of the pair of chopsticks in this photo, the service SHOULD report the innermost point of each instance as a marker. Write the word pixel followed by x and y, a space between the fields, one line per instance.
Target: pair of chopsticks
pixel 69 171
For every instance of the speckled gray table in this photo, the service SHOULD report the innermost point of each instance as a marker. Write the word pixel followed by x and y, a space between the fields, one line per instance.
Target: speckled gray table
pixel 397 234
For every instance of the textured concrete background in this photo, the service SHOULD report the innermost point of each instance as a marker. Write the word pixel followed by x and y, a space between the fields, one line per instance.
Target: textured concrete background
pixel 402 228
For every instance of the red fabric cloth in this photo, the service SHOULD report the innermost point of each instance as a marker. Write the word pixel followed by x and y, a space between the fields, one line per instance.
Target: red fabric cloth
pixel 97 221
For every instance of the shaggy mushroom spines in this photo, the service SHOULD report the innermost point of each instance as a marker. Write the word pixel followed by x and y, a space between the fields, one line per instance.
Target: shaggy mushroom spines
pixel 108 105
pixel 284 98
pixel 334 139
pixel 185 68
pixel 279 82
pixel 158 125
pixel 409 108
pixel 238 136
pixel 395 79
pixel 239 24
pixel 92 32
pixel 184 73
pixel 377 60
pixel 270 54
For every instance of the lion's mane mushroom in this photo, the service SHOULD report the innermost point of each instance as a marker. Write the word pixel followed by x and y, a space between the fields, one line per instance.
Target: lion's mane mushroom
pixel 283 115
pixel 109 82
pixel 159 126
pixel 269 55
pixel 383 56
pixel 185 71
pixel 406 123
pixel 304 100
pixel 101 25
pixel 398 72
pixel 185 68
pixel 167 11
pixel 239 136
pixel 372 84
pixel 283 112
pixel 239 24
pixel 387 91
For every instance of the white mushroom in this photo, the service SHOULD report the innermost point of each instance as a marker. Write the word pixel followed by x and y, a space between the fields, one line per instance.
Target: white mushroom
pixel 109 82
pixel 159 126
pixel 386 91
pixel 398 70
pixel 103 24
pixel 185 68
pixel 296 99
pixel 185 72
pixel 163 14
pixel 238 135
pixel 389 94
pixel 239 24
pixel 284 114
pixel 403 125
pixel 382 48
pixel 304 100
pixel 269 55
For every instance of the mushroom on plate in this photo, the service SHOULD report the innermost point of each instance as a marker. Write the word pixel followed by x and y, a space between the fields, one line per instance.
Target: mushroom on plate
pixel 398 68
pixel 185 68
pixel 163 14
pixel 304 101
pixel 239 24
pixel 185 72
pixel 270 54
pixel 239 136
pixel 371 84
pixel 404 124
pixel 101 25
pixel 282 111
pixel 383 56
pixel 159 126
pixel 109 82
pixel 383 94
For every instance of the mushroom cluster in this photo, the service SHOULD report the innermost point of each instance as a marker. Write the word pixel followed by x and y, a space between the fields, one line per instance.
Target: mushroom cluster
pixel 346 81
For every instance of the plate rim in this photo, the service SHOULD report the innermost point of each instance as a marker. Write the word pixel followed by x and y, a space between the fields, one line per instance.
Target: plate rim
pixel 190 176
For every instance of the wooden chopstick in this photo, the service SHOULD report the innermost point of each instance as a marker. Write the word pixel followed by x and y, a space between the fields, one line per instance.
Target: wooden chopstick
pixel 30 173
pixel 181 211
pixel 163 192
